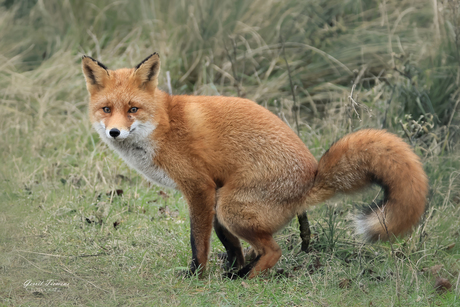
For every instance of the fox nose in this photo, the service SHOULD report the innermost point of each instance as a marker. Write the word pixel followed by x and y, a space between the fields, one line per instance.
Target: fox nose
pixel 114 132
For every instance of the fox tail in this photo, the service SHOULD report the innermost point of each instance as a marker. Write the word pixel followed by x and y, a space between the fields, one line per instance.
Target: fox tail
pixel 375 157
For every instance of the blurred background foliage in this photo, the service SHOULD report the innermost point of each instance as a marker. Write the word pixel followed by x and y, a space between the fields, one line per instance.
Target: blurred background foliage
pixel 402 56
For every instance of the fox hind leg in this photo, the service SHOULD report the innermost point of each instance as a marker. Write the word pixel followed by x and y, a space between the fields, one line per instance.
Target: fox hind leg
pixel 235 257
pixel 268 254
pixel 245 222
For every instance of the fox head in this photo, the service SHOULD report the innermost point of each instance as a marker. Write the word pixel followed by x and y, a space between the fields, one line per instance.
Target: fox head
pixel 122 101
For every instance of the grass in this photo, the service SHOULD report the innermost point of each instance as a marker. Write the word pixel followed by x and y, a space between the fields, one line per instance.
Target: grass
pixel 62 220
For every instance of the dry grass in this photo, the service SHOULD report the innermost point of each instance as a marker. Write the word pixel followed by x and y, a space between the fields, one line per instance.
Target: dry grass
pixel 58 221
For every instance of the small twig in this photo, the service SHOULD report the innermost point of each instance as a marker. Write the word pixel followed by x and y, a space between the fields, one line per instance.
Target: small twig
pixel 296 108
pixel 403 74
pixel 406 132
pixel 420 127
pixel 384 122
pixel 353 102
pixel 61 256
pixel 168 80
pixel 49 255
pixel 92 255
pixel 233 64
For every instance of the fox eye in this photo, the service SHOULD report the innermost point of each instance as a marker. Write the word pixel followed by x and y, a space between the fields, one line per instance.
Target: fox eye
pixel 133 110
pixel 106 109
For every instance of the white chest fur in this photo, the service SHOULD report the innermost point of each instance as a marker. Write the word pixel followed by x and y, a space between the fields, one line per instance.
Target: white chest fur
pixel 138 151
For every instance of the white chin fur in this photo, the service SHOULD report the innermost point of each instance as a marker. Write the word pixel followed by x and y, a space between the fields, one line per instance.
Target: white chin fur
pixel 138 150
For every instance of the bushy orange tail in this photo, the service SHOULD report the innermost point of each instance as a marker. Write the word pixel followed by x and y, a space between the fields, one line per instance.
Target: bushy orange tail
pixel 375 156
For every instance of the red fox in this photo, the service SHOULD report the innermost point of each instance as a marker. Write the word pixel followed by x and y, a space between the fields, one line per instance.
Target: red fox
pixel 241 169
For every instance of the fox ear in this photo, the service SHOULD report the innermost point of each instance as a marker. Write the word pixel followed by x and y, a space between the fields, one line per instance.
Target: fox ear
pixel 146 72
pixel 96 74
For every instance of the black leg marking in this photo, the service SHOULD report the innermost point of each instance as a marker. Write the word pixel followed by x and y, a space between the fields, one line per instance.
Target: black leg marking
pixel 235 257
pixel 305 232
pixel 244 271
pixel 194 264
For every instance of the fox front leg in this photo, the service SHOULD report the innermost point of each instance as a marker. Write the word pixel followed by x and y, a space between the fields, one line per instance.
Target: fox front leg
pixel 201 205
